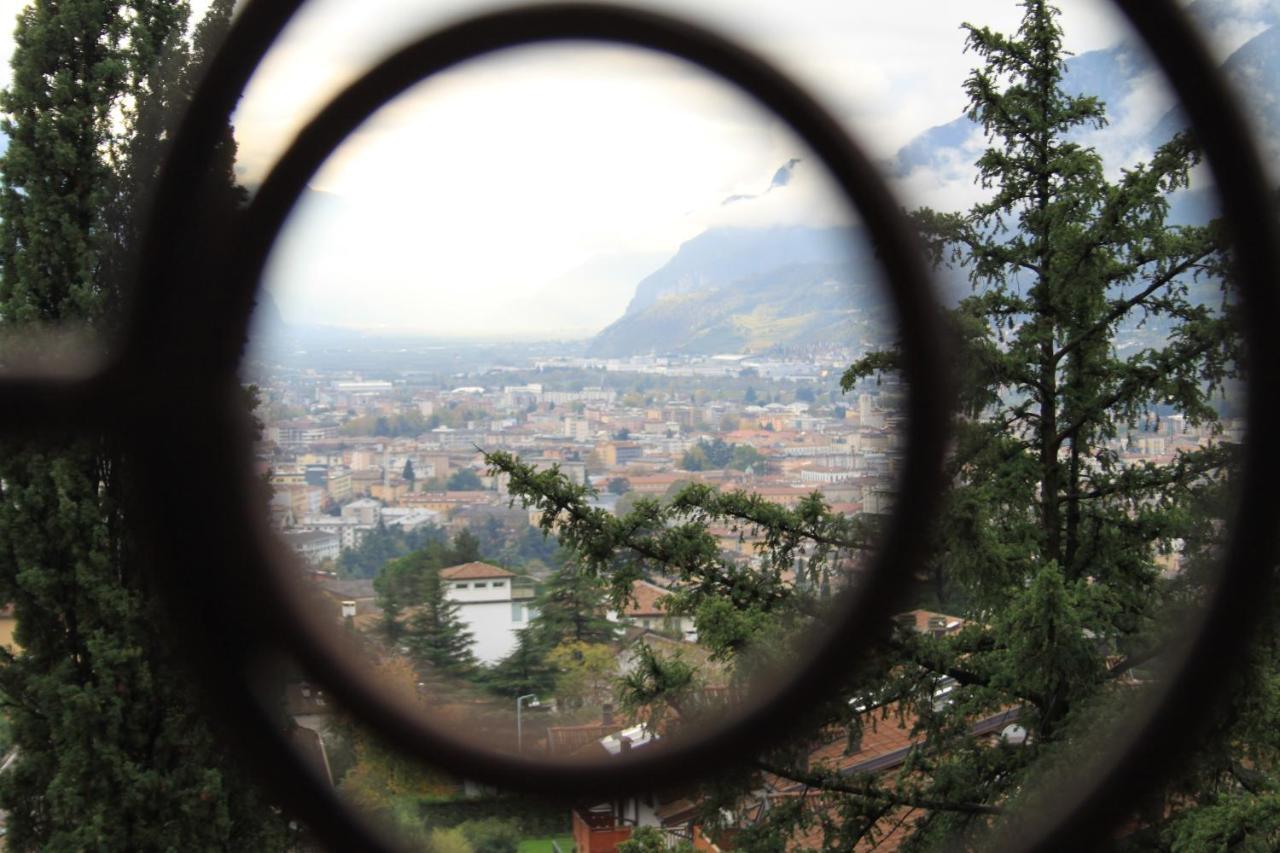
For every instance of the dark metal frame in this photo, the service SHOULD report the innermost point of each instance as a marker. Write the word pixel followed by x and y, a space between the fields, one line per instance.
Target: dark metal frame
pixel 237 615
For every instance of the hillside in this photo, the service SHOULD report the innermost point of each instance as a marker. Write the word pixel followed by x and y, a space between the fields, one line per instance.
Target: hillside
pixel 720 256
pixel 794 304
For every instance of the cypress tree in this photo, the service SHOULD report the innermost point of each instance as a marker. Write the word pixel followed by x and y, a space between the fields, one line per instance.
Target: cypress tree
pixel 112 753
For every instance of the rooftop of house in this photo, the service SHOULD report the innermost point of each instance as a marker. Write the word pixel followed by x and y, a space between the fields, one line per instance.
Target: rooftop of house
pixel 354 588
pixel 310 537
pixel 302 699
pixel 566 740
pixel 886 740
pixel 644 600
pixel 474 571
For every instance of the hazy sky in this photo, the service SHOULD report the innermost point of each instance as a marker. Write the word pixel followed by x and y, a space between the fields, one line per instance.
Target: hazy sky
pixel 529 192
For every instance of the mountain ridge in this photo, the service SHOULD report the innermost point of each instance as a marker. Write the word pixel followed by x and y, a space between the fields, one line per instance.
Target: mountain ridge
pixel 1110 74
pixel 782 286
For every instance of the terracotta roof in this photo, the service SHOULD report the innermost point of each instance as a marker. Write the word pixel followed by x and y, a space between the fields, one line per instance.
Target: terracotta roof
pixel 354 588
pixel 665 478
pixel 644 600
pixel 474 571
pixel 885 741
pixel 676 811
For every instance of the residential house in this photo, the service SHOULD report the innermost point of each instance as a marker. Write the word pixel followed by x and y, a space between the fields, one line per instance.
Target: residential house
pixel 493 602
pixel 644 609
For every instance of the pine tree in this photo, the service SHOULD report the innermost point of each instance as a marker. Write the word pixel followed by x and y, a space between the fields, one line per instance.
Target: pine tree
pixel 1061 259
pixel 572 607
pixel 112 754
pixel 417 611
pixel 1048 538
pixel 436 636
pixel 525 670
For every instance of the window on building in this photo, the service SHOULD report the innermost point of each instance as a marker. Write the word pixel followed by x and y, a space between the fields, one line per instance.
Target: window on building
pixel 499 583
pixel 461 586
pixel 481 585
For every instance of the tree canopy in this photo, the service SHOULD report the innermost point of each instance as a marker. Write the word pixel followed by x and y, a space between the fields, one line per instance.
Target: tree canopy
pixel 113 753
pixel 717 454
pixel 1048 541
pixel 464 480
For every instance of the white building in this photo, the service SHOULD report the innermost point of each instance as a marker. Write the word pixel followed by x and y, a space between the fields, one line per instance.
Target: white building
pixel 408 518
pixel 348 529
pixel 314 546
pixel 578 429
pixel 363 387
pixel 366 511
pixel 492 604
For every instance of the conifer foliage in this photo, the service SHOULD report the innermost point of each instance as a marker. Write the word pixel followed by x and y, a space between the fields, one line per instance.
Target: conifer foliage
pixel 437 636
pixel 112 753
pixel 417 612
pixel 1048 541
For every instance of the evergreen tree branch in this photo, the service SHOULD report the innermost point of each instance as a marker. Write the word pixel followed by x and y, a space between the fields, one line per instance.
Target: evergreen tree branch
pixel 1138 382
pixel 1119 309
pixel 826 782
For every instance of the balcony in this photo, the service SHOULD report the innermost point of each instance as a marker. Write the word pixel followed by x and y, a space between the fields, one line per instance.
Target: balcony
pixel 597 830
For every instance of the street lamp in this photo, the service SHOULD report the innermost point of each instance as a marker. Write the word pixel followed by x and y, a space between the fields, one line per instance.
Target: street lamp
pixel 533 703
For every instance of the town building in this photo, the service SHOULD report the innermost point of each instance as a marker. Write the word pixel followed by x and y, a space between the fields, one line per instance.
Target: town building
pixel 314 546
pixel 493 603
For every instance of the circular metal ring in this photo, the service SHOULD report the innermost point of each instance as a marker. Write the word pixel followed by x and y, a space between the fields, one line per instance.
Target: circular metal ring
pixel 1076 817
pixel 867 616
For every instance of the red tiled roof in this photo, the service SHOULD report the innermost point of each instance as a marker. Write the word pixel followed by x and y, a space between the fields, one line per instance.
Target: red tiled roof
pixel 474 571
pixel 644 600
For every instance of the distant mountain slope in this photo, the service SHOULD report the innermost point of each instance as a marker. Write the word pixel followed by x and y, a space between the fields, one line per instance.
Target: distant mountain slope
pixel 1105 74
pixel 749 289
pixel 746 290
pixel 1117 73
pixel 793 304
pixel 720 256
pixel 1254 70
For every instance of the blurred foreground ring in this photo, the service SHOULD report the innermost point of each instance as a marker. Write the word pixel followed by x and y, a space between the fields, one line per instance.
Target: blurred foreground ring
pixel 197 279
pixel 867 613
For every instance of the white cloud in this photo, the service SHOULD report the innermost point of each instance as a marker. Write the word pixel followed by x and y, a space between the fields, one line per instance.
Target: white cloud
pixel 948 184
pixel 891 70
pixel 9 10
